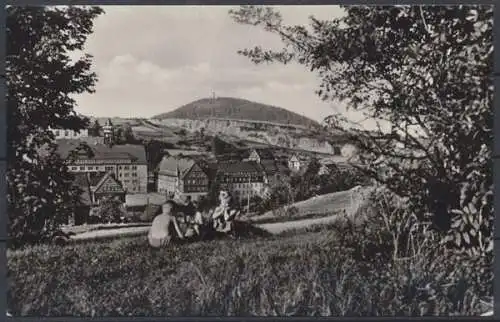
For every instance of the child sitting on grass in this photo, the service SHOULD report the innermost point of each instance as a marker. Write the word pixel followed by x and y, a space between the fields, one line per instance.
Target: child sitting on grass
pixel 164 227
pixel 224 214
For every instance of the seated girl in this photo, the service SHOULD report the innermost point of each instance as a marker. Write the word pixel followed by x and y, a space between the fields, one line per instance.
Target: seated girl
pixel 224 214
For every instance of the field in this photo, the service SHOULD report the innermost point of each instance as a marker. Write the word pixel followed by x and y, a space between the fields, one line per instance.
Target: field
pixel 324 204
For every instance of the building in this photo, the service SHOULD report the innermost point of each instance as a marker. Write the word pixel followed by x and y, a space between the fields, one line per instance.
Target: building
pixel 267 163
pixel 95 187
pixel 69 134
pixel 182 175
pixel 107 130
pixel 126 162
pixel 294 163
pixel 260 154
pixel 243 179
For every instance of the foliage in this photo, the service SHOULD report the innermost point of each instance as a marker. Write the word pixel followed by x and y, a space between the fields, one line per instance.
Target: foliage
pixel 154 152
pixel 341 179
pixel 389 232
pixel 95 129
pixel 110 210
pixel 124 135
pixel 220 147
pixel 281 193
pixel 407 66
pixel 150 213
pixel 41 79
pixel 212 198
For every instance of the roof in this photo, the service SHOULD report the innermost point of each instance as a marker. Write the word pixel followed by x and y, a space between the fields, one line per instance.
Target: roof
pixel 169 165
pixel 107 176
pixel 176 152
pixel 265 153
pixel 135 153
pixel 233 168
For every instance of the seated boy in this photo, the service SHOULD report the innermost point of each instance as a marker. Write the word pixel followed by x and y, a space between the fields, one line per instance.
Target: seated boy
pixel 164 227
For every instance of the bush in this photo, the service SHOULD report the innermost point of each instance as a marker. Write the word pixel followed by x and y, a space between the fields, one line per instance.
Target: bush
pixel 401 250
pixel 341 179
pixel 150 213
pixel 110 210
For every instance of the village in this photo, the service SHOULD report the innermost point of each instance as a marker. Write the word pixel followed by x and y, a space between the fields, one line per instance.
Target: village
pixel 121 172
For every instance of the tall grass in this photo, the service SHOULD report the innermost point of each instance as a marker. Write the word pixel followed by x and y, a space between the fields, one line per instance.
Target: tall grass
pixel 354 268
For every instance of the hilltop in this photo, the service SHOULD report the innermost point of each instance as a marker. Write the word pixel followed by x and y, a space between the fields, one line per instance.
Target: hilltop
pixel 236 109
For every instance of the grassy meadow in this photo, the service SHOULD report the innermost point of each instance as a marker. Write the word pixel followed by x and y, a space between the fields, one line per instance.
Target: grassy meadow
pixel 335 270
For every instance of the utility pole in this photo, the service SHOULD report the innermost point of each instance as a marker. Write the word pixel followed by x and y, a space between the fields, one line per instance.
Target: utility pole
pixel 248 196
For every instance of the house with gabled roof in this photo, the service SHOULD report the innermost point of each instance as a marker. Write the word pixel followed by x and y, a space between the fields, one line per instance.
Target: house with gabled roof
pixel 267 163
pixel 182 175
pixel 260 154
pixel 108 186
pixel 244 179
pixel 295 163
pixel 94 187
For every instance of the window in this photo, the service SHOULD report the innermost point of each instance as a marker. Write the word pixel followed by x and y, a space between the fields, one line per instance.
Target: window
pixel 109 168
pixel 73 168
pixel 120 175
pixel 57 133
pixel 66 133
pixel 82 168
pixel 134 167
pixel 126 181
pixel 126 167
pixel 134 174
pixel 126 174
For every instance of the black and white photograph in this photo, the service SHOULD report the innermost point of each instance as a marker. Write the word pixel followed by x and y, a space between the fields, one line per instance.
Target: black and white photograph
pixel 249 161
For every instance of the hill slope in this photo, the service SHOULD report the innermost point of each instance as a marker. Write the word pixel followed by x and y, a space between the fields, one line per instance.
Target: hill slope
pixel 237 109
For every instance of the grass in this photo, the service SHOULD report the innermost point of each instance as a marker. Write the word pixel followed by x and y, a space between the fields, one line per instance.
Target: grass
pixel 331 270
pixel 328 203
pixel 300 275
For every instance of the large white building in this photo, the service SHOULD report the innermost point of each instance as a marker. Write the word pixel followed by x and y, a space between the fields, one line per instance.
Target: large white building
pixel 127 162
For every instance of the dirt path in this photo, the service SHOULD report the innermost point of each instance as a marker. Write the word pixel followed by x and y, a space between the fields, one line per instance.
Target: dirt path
pixel 273 228
pixel 279 227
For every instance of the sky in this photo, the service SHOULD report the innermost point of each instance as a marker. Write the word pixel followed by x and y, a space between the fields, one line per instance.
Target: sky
pixel 154 59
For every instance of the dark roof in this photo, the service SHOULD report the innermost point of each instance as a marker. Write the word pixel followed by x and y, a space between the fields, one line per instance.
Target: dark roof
pixel 170 165
pixel 232 168
pixel 133 152
pixel 236 156
pixel 265 153
pixel 178 152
